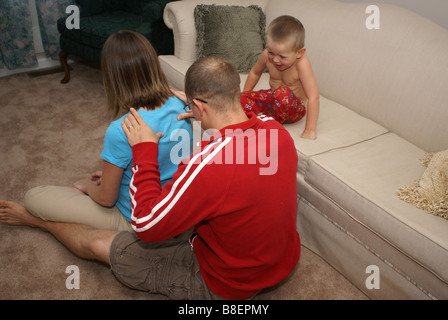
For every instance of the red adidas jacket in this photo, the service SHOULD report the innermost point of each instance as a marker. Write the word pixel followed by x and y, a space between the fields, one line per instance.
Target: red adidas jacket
pixel 239 191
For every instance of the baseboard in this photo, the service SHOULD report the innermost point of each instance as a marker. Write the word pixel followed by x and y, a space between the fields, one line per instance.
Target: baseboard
pixel 43 64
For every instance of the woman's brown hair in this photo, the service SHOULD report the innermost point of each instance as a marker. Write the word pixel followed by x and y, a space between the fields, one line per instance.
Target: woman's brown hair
pixel 132 76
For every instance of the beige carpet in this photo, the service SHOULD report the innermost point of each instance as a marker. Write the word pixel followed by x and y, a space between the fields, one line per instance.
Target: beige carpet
pixel 52 134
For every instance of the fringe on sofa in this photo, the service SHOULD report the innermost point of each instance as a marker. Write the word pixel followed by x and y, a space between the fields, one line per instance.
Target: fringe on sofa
pixel 430 193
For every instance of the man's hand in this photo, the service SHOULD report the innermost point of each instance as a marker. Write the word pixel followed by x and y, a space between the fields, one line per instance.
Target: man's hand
pixel 137 131
pixel 181 95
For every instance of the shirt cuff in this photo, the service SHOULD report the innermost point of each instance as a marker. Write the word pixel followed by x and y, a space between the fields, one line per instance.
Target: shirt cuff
pixel 145 152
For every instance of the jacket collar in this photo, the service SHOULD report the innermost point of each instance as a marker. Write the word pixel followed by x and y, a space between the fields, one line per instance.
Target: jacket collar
pixel 231 129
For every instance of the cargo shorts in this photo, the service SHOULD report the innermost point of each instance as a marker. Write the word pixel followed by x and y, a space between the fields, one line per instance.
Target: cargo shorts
pixel 168 267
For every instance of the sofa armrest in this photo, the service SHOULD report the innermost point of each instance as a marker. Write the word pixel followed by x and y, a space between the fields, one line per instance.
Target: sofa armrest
pixel 179 16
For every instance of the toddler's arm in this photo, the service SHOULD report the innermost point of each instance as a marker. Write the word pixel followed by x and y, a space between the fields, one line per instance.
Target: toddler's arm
pixel 256 72
pixel 312 92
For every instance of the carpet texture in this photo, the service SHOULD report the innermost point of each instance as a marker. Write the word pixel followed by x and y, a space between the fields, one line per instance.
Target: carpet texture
pixel 52 134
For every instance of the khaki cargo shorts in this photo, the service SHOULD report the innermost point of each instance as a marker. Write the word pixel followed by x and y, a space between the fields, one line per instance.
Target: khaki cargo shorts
pixel 169 267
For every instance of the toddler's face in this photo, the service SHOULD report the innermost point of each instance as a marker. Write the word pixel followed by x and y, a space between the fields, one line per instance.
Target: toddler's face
pixel 282 55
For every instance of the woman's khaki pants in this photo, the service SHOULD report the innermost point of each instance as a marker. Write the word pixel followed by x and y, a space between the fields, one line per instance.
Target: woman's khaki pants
pixel 54 203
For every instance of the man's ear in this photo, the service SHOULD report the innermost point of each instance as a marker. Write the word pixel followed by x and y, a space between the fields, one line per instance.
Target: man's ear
pixel 200 105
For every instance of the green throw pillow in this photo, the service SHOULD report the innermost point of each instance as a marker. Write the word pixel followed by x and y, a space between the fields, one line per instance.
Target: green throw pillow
pixel 232 32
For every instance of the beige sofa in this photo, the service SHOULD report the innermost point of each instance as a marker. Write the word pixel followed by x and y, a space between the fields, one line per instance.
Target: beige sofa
pixel 383 105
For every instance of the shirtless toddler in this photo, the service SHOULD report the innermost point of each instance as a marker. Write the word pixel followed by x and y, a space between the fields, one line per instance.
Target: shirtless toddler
pixel 292 82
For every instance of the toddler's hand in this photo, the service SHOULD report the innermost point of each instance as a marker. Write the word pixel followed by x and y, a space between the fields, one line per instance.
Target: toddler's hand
pixel 309 134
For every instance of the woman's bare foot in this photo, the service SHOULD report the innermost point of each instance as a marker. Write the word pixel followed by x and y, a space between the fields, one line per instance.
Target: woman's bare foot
pixel 15 214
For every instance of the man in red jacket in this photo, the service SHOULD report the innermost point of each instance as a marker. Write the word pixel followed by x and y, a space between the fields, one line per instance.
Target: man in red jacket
pixel 237 192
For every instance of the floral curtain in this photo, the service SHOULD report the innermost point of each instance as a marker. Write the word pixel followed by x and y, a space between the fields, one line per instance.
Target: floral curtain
pixel 49 11
pixel 16 34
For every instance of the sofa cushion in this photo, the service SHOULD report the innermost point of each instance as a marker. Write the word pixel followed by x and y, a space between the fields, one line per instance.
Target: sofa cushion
pixel 363 180
pixel 235 33
pixel 337 127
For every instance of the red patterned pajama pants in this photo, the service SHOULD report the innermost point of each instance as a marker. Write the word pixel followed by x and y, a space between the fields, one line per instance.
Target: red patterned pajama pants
pixel 280 104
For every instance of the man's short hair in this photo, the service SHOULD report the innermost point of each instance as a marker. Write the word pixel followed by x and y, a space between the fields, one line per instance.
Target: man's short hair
pixel 214 80
pixel 287 29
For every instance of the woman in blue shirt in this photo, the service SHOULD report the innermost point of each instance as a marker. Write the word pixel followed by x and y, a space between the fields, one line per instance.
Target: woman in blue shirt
pixel 132 77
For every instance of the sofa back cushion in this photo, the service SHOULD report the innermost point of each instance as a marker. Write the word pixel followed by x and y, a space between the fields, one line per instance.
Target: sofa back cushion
pixel 396 75
pixel 89 7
